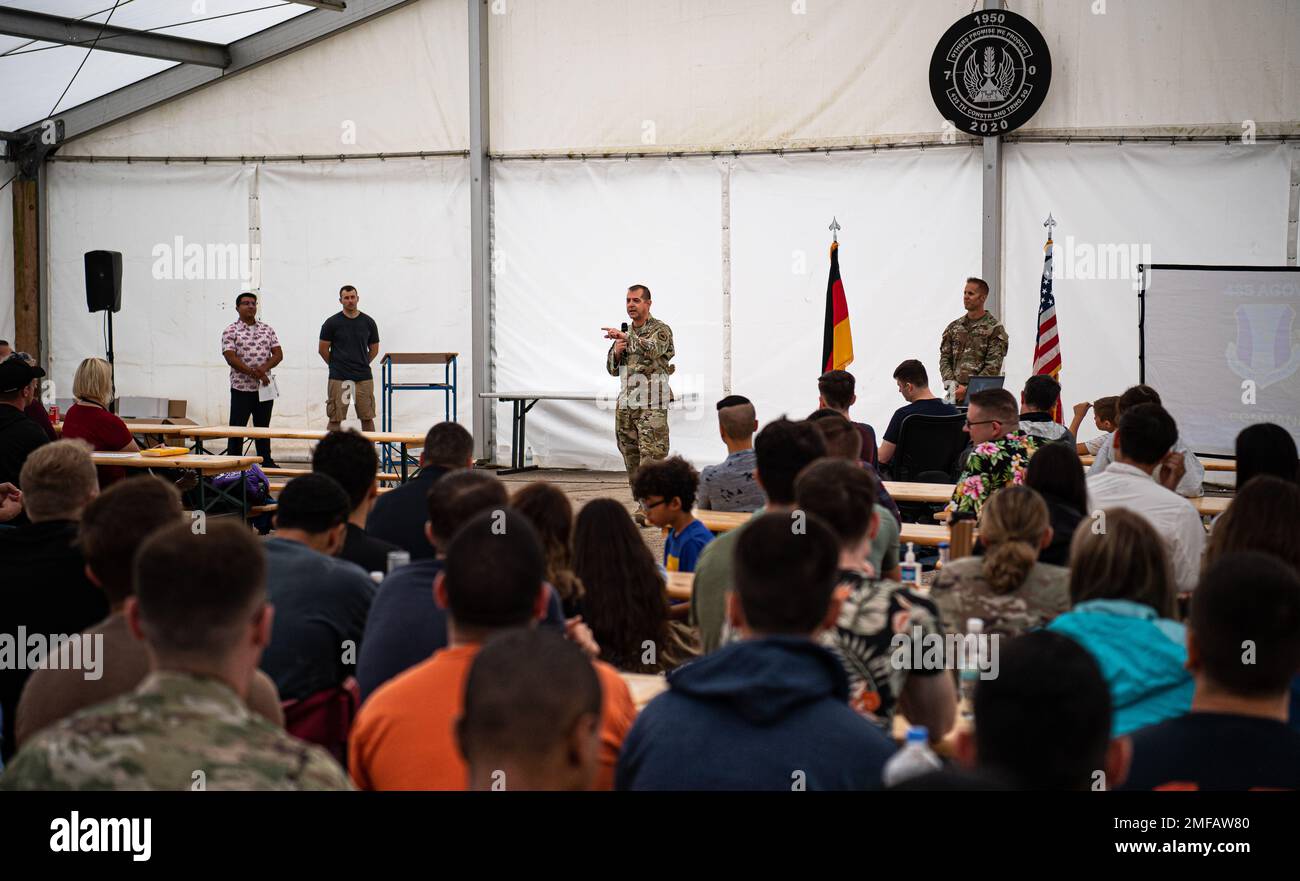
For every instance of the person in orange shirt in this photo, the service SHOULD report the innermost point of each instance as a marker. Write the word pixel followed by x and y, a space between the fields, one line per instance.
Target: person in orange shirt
pixel 404 736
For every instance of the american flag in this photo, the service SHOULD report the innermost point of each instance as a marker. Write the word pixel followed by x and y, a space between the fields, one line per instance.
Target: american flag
pixel 1047 350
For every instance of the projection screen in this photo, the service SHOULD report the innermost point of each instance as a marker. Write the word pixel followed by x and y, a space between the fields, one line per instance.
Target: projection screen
pixel 1222 347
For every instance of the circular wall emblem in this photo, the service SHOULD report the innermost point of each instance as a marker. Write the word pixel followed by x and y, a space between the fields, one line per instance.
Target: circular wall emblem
pixel 990 72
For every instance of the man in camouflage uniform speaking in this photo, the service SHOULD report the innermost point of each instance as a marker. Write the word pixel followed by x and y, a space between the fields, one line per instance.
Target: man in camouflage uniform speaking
pixel 201 608
pixel 640 359
pixel 973 345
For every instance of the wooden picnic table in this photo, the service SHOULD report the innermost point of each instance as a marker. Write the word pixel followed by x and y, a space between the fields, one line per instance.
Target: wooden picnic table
pixel 203 463
pixel 940 493
pixel 932 493
pixel 253 431
pixel 208 466
pixel 680 585
pixel 1210 464
pixel 644 687
pixel 922 534
pixel 206 432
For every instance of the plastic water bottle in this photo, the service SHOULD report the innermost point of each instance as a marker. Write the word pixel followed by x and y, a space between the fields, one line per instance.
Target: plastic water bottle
pixel 913 760
pixel 970 672
pixel 910 568
pixel 398 558
pixel 528 456
pixel 945 554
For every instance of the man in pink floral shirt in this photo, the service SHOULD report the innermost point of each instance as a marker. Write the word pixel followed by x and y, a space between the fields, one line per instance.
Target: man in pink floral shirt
pixel 252 350
pixel 999 450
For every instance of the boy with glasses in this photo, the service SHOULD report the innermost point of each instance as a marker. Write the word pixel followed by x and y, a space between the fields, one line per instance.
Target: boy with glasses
pixel 666 490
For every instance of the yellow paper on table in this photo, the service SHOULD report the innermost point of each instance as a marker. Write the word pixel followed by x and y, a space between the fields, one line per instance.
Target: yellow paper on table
pixel 164 451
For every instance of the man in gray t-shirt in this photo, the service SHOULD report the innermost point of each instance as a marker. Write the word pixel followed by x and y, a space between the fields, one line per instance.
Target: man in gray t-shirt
pixel 730 485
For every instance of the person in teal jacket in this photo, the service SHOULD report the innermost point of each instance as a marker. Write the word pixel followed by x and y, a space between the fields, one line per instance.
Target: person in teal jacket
pixel 1122 590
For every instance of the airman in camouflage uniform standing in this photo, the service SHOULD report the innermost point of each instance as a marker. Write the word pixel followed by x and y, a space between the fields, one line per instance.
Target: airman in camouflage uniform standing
pixel 640 357
pixel 973 345
pixel 176 731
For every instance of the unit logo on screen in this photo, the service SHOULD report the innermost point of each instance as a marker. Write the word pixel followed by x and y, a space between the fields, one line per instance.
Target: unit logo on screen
pixel 1263 351
pixel 990 72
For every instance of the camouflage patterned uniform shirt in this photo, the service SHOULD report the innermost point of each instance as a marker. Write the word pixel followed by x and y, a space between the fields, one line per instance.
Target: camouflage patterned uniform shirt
pixel 972 348
pixel 960 591
pixel 644 366
pixel 159 735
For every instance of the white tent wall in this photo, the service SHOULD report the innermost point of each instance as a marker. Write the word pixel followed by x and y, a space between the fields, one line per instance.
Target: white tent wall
pixel 396 230
pixel 319 229
pixel 910 237
pixel 6 254
pixel 168 334
pixel 396 83
pixel 570 237
pixel 1126 204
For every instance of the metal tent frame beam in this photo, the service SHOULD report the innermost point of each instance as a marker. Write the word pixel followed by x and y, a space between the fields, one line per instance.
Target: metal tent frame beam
pixel 111 38
pixel 259 48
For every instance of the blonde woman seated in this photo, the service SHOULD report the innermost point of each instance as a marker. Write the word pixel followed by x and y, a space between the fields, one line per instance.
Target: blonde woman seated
pixel 1007 588
pixel 90 420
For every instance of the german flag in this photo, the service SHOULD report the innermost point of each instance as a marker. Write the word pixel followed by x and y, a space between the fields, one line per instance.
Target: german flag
pixel 837 339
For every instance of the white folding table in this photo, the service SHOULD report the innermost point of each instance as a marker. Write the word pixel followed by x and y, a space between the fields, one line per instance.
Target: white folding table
pixel 523 401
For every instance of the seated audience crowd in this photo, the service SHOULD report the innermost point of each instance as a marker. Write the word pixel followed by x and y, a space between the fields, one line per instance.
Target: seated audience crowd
pixel 460 636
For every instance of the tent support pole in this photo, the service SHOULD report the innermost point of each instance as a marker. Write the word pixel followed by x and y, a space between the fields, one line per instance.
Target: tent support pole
pixel 482 410
pixel 991 236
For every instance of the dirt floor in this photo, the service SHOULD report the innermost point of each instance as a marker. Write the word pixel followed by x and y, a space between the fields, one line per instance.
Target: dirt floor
pixel 582 486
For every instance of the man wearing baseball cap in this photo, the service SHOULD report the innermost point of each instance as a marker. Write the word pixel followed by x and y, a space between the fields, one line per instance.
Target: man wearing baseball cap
pixel 18 434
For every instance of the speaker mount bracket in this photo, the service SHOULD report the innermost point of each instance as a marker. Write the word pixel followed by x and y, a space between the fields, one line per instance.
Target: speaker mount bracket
pixel 28 150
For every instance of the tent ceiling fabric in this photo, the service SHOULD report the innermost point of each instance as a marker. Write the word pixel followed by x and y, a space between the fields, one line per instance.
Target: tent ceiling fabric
pixel 591 76
pixel 396 83
pixel 33 73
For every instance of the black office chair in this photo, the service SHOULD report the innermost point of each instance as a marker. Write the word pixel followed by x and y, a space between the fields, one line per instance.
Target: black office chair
pixel 928 447
pixel 927 452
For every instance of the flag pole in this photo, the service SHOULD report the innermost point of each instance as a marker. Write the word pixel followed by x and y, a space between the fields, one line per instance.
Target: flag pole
pixel 1050 222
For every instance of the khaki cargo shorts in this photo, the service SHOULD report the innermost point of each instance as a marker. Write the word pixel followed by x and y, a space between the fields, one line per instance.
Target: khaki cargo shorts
pixel 343 392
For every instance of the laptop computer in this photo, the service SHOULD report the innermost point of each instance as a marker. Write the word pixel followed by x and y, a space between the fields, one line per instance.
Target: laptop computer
pixel 983 383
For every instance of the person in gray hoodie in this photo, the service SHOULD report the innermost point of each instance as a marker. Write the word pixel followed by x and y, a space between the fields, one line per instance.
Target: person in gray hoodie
pixel 769 712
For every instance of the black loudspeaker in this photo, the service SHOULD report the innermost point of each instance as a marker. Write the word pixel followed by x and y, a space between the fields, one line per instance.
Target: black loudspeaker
pixel 104 281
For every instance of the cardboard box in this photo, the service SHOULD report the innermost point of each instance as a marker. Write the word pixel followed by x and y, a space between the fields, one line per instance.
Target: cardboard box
pixel 176 409
pixel 142 408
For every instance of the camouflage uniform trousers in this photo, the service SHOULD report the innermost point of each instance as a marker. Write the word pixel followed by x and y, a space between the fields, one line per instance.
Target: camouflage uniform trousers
pixel 642 435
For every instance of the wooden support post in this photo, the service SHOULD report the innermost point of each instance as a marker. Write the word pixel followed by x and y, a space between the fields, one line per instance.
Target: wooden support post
pixel 27 268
